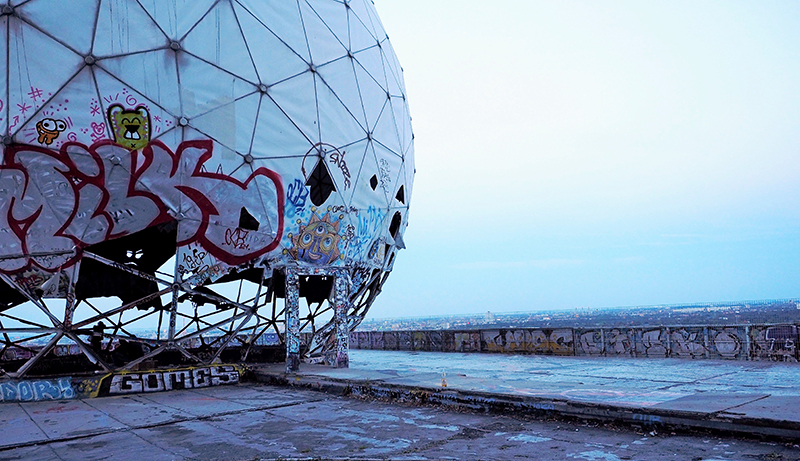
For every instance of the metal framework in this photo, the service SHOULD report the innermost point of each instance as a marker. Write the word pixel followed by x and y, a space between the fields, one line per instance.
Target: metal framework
pixel 189 183
pixel 200 333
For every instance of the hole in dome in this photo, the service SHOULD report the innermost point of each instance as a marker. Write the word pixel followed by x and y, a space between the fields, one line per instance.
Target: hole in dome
pixel 394 226
pixel 401 195
pixel 248 221
pixel 373 182
pixel 320 183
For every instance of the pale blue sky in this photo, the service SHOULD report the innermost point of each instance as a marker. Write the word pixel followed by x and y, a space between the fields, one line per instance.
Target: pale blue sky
pixel 598 153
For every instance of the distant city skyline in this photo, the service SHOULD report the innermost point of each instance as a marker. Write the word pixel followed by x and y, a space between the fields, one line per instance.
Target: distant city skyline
pixel 774 311
pixel 607 154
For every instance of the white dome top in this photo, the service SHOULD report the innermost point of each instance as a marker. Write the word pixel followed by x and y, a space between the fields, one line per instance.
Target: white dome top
pixel 273 132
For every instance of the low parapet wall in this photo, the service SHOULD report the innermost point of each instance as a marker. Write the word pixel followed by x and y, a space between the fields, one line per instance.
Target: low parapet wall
pixel 739 342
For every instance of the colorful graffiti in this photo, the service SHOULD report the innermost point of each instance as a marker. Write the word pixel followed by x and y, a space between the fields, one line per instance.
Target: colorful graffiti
pixel 507 340
pixel 296 196
pixel 131 127
pixel 751 342
pixel 119 383
pixel 52 202
pixel 363 242
pixel 36 390
pixel 156 381
pixel 318 241
pixel 552 341
pixel 49 129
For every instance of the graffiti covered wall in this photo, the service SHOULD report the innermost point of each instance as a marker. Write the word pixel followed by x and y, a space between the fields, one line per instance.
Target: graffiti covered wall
pixel 740 342
pixel 67 388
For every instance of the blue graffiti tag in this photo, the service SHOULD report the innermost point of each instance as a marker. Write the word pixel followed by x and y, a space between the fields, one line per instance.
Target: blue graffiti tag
pixel 296 194
pixel 27 391
pixel 368 223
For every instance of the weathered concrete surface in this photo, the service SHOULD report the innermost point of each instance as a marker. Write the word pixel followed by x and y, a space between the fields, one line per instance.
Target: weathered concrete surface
pixel 747 398
pixel 254 421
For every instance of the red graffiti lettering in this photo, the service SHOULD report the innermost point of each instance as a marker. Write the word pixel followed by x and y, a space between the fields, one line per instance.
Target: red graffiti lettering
pixel 54 203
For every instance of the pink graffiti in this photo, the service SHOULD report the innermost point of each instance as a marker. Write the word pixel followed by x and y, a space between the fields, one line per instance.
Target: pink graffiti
pixel 54 203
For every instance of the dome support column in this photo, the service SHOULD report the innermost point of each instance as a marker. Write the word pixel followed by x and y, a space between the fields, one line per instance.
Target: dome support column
pixel 292 320
pixel 341 297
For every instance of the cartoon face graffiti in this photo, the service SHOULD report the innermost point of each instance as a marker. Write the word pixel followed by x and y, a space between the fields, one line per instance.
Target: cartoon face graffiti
pixel 49 130
pixel 131 127
pixel 317 242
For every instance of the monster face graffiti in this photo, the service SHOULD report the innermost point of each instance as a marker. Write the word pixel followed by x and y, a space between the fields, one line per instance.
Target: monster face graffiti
pixel 318 241
pixel 131 127
pixel 49 129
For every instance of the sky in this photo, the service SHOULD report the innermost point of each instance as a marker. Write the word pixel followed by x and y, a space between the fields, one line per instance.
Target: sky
pixel 597 154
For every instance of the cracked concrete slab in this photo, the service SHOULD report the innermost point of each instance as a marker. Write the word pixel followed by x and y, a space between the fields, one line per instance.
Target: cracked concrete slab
pixel 774 407
pixel 709 403
pixel 59 419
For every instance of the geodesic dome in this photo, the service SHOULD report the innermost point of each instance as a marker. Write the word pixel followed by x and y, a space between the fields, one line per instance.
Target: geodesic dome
pixel 165 160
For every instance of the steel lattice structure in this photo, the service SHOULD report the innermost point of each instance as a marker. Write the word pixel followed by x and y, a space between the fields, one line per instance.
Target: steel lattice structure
pixel 178 175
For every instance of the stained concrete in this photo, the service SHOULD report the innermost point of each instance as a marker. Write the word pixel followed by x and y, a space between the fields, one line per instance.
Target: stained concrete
pixel 743 397
pixel 253 421
pixel 300 424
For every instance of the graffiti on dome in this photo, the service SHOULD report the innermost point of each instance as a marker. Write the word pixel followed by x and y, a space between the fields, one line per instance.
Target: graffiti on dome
pixel 131 127
pixel 296 196
pixel 49 129
pixel 337 158
pixel 317 242
pixel 55 202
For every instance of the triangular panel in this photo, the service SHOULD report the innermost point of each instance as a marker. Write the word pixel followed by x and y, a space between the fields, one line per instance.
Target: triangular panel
pixel 386 132
pixel 340 77
pixel 324 45
pixel 360 35
pixel 297 97
pixel 373 97
pixel 283 20
pixel 152 74
pixel 72 114
pixel 231 124
pixel 124 28
pixel 177 17
pixel 218 39
pixel 388 171
pixel 205 87
pixel 39 67
pixel 50 15
pixel 403 120
pixel 338 125
pixel 360 10
pixel 393 70
pixel 274 59
pixel 276 135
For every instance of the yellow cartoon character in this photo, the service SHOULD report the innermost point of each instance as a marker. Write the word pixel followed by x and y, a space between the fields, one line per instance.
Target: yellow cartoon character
pixel 49 130
pixel 131 127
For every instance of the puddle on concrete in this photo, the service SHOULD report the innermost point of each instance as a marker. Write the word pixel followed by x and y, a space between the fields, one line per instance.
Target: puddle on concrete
pixel 525 438
pixel 595 455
